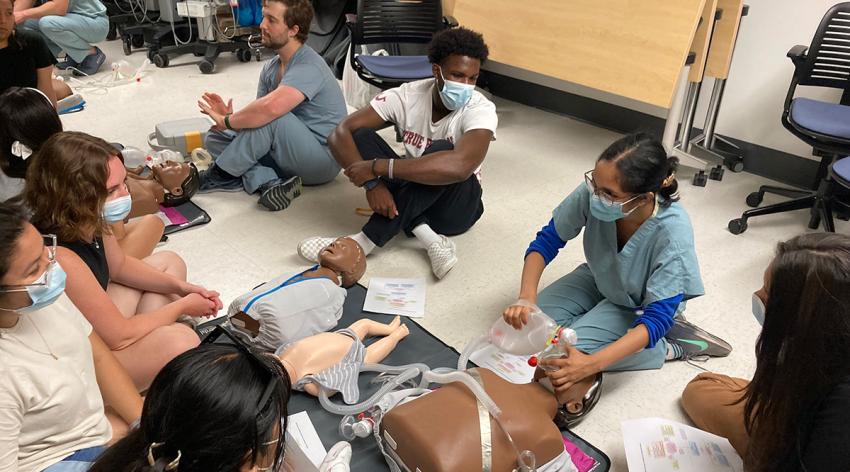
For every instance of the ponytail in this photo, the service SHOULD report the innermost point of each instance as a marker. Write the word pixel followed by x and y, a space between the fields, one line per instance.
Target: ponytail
pixel 669 191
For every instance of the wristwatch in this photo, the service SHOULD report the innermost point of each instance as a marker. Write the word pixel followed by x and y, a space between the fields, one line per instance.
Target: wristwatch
pixel 370 184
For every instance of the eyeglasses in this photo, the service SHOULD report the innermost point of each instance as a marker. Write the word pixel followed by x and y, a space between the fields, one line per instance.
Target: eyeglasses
pixel 605 198
pixel 216 333
pixel 44 279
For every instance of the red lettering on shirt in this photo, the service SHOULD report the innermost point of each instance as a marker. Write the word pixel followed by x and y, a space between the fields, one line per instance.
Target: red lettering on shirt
pixel 381 98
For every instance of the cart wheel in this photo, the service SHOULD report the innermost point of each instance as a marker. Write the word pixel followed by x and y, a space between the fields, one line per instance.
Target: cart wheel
pixel 737 226
pixel 138 40
pixel 206 66
pixel 735 165
pixel 112 34
pixel 127 45
pixel 244 55
pixel 258 55
pixel 754 199
pixel 160 60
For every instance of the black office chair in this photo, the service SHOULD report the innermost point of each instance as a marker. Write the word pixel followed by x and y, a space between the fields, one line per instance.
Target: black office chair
pixel 822 125
pixel 395 22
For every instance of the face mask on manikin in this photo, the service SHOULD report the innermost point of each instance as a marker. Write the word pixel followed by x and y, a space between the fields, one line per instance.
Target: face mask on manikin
pixel 758 309
pixel 44 295
pixel 455 94
pixel 603 212
pixel 118 209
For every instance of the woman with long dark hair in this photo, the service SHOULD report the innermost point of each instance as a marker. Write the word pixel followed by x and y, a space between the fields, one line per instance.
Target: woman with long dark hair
pixel 641 270
pixel 795 413
pixel 215 408
pixel 54 367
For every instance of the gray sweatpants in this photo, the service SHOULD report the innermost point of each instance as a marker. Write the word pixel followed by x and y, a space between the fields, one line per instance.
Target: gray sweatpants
pixel 283 148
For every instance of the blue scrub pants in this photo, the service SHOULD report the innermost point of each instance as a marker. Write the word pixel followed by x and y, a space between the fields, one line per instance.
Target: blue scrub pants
pixel 80 461
pixel 75 34
pixel 574 301
pixel 281 149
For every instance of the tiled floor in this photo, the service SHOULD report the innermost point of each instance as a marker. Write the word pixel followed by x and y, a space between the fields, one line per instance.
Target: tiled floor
pixel 538 159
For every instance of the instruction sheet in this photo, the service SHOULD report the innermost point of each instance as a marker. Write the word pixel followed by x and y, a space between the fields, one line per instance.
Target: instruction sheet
pixel 659 445
pixel 405 297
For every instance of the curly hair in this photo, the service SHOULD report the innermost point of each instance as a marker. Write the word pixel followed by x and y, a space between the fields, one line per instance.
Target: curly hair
pixel 66 186
pixel 460 41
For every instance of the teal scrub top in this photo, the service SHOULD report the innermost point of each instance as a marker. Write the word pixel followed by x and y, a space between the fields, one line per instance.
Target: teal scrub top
pixel 657 263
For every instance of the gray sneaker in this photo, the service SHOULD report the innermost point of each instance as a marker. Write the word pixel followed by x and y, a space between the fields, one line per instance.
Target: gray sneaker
pixel 278 194
pixel 696 341
pixel 91 64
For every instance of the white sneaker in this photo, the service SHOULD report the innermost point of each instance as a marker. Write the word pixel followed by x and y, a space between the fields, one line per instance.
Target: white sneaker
pixel 443 256
pixel 311 247
pixel 338 458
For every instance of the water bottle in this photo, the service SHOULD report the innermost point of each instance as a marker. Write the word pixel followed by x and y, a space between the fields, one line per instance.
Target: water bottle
pixel 530 339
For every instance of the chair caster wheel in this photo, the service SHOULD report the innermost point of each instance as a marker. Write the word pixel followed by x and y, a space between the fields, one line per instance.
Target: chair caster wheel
pixel 735 165
pixel 754 199
pixel 737 226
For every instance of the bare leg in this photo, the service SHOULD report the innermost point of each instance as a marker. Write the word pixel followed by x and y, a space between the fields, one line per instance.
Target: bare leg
pixel 365 327
pixel 131 301
pixel 141 236
pixel 61 89
pixel 380 349
pixel 120 428
pixel 147 356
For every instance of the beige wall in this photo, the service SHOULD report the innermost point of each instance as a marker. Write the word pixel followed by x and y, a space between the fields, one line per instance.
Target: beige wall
pixel 758 80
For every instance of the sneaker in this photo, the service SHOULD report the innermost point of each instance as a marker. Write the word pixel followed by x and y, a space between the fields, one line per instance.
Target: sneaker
pixel 695 341
pixel 211 180
pixel 91 64
pixel 311 247
pixel 338 458
pixel 278 194
pixel 443 256
pixel 66 63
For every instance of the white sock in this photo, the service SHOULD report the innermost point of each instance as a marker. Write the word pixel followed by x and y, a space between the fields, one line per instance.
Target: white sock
pixel 364 242
pixel 426 235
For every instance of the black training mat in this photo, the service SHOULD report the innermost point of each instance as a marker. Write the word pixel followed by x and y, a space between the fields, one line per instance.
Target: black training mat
pixel 418 346
pixel 195 216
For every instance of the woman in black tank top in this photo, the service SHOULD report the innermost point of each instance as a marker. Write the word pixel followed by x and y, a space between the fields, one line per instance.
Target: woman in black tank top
pixel 75 189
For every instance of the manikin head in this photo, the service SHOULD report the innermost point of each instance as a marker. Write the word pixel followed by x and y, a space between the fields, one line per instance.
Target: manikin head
pixel 285 20
pixel 180 180
pixel 345 257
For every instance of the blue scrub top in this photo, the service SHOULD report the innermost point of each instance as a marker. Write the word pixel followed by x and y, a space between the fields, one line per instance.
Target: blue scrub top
pixel 658 262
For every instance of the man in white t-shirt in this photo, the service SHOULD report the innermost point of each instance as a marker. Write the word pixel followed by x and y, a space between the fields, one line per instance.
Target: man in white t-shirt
pixel 446 126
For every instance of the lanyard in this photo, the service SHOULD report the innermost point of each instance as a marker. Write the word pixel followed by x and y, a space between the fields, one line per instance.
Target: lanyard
pixel 290 281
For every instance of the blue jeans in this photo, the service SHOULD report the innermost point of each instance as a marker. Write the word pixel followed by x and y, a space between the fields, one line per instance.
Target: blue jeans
pixel 79 461
pixel 283 148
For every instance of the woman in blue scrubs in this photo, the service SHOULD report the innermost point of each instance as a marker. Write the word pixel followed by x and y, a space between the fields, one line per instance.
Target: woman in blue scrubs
pixel 641 269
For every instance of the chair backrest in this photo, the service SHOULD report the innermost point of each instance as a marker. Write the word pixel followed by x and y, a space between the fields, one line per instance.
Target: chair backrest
pixel 828 58
pixel 397 21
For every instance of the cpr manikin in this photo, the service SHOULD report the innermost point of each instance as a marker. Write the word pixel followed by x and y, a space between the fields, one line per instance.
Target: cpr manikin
pixel 168 184
pixel 333 360
pixel 296 305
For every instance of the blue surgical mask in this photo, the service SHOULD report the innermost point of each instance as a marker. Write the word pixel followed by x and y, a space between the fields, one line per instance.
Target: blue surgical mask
pixel 604 212
pixel 455 94
pixel 44 295
pixel 758 309
pixel 118 209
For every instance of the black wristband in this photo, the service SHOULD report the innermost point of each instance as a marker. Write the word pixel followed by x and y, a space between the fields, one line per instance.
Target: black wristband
pixel 370 184
pixel 227 122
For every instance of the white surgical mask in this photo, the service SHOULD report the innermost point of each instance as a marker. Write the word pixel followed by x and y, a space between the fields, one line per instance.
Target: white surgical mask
pixel 118 209
pixel 758 309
